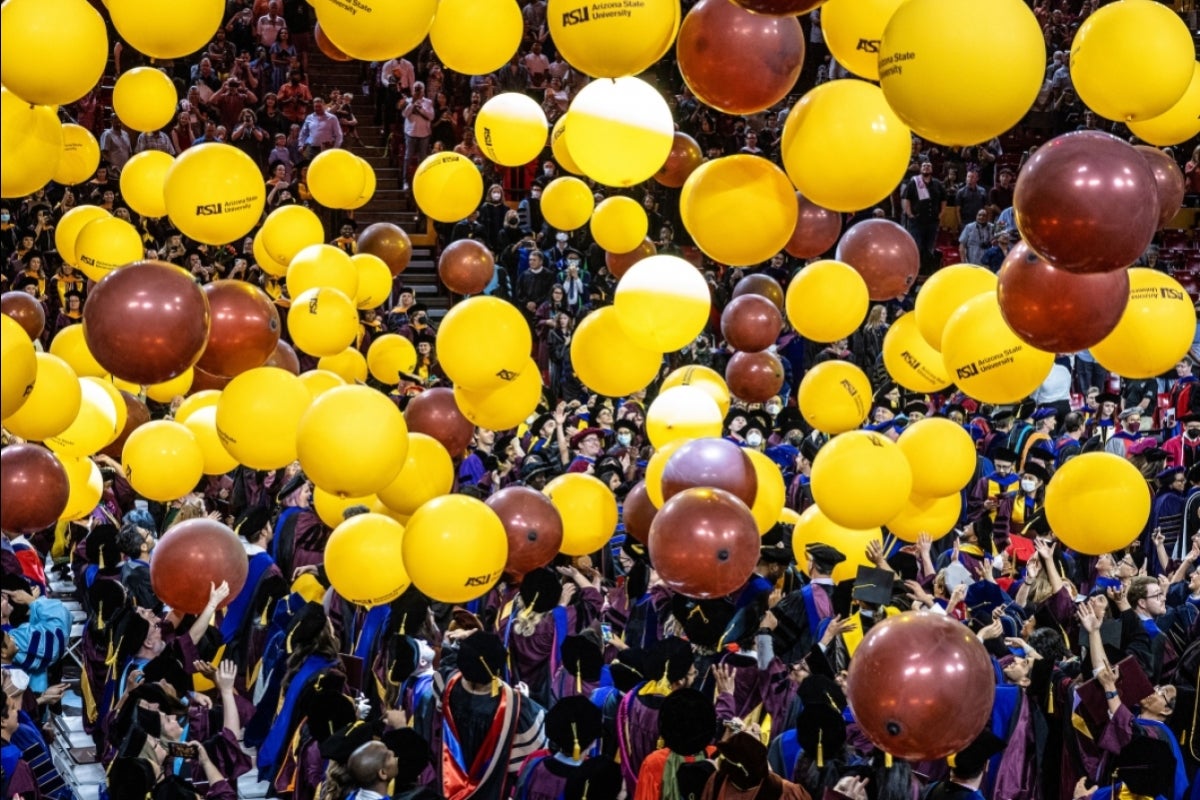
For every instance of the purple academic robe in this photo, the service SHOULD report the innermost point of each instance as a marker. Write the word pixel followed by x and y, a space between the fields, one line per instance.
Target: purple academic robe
pixel 1017 777
pixel 637 732
pixel 546 780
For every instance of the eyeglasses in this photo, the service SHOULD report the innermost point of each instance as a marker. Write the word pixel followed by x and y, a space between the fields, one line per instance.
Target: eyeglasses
pixel 1154 596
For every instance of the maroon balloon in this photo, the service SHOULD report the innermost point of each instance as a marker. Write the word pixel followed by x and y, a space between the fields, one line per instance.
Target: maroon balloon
pixel 760 284
pixel 146 323
pixel 737 61
pixel 638 512
pixel 884 254
pixel 1055 310
pixel 193 556
pixel 751 322
pixel 34 488
pixel 704 543
pixel 136 415
pixel 754 377
pixel 817 230
pixel 245 328
pixel 203 381
pixel 466 266
pixel 682 161
pixel 26 311
pixel 1087 202
pixel 533 525
pixel 712 462
pixel 284 357
pixel 921 686
pixel 388 242
pixel 434 413
pixel 780 8
pixel 619 263
pixel 1168 181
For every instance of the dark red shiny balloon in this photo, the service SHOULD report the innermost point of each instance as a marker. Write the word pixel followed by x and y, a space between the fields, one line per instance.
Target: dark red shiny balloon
pixel 619 263
pixel 388 242
pixel 136 415
pixel 760 284
pixel 244 331
pixel 780 8
pixel 284 357
pixel 884 254
pixel 714 463
pixel 193 556
pixel 751 322
pixel 1055 310
pixel 737 61
pixel 1087 202
pixel 331 50
pixel 146 323
pixel 754 377
pixel 817 230
pixel 704 543
pixel 434 413
pixel 466 266
pixel 638 512
pixel 34 488
pixel 26 311
pixel 1168 180
pixel 533 525
pixel 685 156
pixel 921 686
pixel 203 381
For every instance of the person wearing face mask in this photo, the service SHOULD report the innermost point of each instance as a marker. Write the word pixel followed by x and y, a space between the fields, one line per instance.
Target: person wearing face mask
pixel 756 431
pixel 491 216
pixel 627 436
pixel 529 212
pixel 573 282
pixel 1131 426
pixel 1025 504
pixel 988 492
pixel 1184 449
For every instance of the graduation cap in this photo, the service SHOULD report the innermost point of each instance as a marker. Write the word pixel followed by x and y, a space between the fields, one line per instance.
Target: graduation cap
pixel 1043 412
pixel 411 751
pixel 1005 454
pixel 344 741
pixel 404 655
pixel 904 565
pixel 972 759
pixel 540 590
pixel 105 599
pixel 669 660
pixel 1042 456
pixel 409 612
pixel 733 414
pixel 306 625
pixel 873 585
pixel 809 448
pixel 687 721
pixel 165 667
pixel 101 549
pixel 916 407
pixel 704 622
pixel 982 598
pixel 294 483
pixel 818 663
pixel 1167 476
pixel 1001 415
pixel 824 557
pixel 842 599
pixel 595 779
pixel 251 522
pixel 481 658
pixel 628 669
pixel 1108 397
pixel 626 425
pixel 130 778
pixel 759 421
pixel 743 760
pixel 535 465
pixel 789 419
pixel 599 433
pixel 173 787
pixel 821 690
pixel 154 694
pixel 582 658
pixel 129 633
pixel 14 582
pixel 572 724
pixel 1146 767
pixel 1036 470
pixel 326 706
pixel 775 546
pixel 1132 685
pixel 821 732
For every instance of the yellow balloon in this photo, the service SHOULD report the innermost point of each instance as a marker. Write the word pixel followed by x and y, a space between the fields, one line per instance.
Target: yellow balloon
pixel 567 204
pixel 986 359
pixel 789 516
pixel 319 381
pixel 740 210
pixel 143 180
pixel 368 188
pixel 289 230
pixel 30 144
pixel 53 403
pixel 1117 75
pixel 619 224
pixel 1156 328
pixel 483 319
pixel 162 460
pixel 107 244
pixel 476 37
pixel 264 260
pixel 860 479
pixel 322 321
pixel 827 301
pixel 18 366
pixel 166 30
pixel 214 193
pixel 814 527
pixel 941 455
pixel 375 31
pixel 80 156
pixel 835 396
pixel 852 30
pixel 611 43
pixel 68 228
pixel 364 559
pixel 511 129
pixel 621 131
pixel 683 412
pixel 843 147
pixel 588 510
pixel 321 265
pixel 94 427
pixel 505 407
pixel 1178 123
pixel 909 359
pixel 558 146
pixel 258 415
pixel 388 356
pixel 176 387
pixel 202 422
pixel 704 378
pixel 933 516
pixel 144 99
pixel 447 186
pixel 944 293
pixel 1097 503
pixel 125 386
pixel 662 303
pixel 194 402
pixel 374 281
pixel 455 548
pixel 772 492
pixel 352 441
pixel 331 508
pixel 607 360
pixel 654 470
pixel 69 345
pixel 929 72
pixel 87 487
pixel 337 177
pixel 427 472
pixel 52 52
pixel 350 365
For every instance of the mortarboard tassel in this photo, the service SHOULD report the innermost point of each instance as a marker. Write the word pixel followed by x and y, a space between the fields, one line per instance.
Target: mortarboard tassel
pixel 887 759
pixel 579 681
pixel 574 738
pixel 820 749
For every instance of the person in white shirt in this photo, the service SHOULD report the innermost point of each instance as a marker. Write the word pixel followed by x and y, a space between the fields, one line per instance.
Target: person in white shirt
pixel 418 123
pixel 115 145
pixel 269 25
pixel 537 65
pixel 975 238
pixel 320 131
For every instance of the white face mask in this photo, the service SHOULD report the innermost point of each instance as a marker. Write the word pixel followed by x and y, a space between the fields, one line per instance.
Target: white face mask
pixel 625 439
pixel 1028 485
pixel 754 438
pixel 774 408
